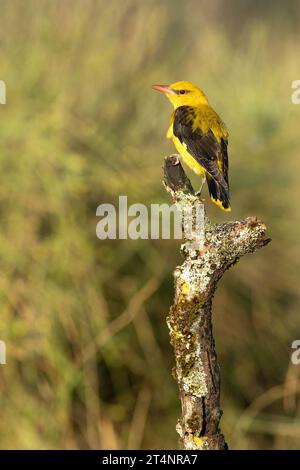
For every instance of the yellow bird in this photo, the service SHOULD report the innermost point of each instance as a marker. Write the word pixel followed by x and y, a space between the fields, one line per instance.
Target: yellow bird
pixel 201 138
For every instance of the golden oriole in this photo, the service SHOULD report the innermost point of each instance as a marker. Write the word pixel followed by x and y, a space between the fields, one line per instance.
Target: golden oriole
pixel 201 138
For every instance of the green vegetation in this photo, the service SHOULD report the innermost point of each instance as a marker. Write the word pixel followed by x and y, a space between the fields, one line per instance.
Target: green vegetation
pixel 88 354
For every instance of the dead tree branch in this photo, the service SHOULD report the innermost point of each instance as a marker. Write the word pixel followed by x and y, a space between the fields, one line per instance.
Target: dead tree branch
pixel 209 250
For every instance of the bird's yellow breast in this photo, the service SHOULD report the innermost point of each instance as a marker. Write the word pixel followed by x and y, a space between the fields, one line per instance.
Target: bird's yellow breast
pixel 187 158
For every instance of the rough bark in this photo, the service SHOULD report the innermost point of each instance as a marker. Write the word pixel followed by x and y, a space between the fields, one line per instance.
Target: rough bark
pixel 209 250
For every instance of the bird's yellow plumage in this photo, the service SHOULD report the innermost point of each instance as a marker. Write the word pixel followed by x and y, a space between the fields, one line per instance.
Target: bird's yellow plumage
pixel 200 136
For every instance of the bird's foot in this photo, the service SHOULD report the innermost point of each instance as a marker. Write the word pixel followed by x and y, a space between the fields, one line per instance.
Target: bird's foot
pixel 198 193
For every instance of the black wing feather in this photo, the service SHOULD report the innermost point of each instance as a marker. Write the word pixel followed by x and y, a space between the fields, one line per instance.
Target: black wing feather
pixel 225 162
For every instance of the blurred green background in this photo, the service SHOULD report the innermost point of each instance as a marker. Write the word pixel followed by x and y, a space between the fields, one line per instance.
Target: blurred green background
pixel 88 354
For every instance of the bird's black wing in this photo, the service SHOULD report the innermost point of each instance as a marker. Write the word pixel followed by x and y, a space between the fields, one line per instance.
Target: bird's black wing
pixel 202 146
pixel 225 163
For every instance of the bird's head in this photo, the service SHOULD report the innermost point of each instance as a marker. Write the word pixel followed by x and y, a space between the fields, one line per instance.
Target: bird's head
pixel 182 94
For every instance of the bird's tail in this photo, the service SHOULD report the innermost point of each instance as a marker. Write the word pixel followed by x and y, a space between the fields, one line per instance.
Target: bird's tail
pixel 219 195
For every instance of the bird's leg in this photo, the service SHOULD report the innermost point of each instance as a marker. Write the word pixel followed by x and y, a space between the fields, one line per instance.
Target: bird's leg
pixel 198 193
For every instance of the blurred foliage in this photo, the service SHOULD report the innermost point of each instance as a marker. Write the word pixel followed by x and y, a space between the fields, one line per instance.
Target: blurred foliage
pixel 88 354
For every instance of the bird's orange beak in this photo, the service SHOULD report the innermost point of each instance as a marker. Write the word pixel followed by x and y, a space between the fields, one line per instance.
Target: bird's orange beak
pixel 164 89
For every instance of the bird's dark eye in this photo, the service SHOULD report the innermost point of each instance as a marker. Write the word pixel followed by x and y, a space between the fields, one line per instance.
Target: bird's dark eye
pixel 181 92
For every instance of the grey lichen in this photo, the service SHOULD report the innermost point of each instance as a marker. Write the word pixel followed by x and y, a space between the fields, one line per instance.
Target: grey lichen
pixel 192 375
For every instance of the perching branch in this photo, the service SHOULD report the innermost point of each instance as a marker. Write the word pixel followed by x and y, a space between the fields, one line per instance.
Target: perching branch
pixel 209 250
